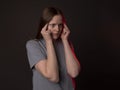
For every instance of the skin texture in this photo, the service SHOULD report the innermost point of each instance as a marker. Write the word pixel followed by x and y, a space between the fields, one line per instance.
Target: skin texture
pixel 49 68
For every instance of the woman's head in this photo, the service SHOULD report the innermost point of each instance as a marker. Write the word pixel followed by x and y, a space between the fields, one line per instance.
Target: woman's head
pixel 54 18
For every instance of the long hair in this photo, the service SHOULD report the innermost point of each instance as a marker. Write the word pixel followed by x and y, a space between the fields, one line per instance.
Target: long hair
pixel 47 15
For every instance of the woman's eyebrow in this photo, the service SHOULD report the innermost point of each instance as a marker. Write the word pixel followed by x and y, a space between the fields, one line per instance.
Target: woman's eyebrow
pixel 55 23
pixel 52 24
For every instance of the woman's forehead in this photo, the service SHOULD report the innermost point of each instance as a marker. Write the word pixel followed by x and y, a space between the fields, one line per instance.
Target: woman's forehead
pixel 57 19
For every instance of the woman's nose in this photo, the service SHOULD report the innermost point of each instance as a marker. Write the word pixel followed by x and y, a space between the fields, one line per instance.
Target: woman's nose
pixel 57 28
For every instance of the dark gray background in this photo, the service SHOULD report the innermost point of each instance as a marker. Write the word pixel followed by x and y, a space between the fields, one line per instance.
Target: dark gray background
pixel 95 28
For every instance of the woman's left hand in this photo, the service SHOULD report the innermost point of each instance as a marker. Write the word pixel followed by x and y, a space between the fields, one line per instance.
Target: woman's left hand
pixel 65 33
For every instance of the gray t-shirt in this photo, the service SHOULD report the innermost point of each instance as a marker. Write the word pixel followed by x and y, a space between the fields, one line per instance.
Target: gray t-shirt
pixel 36 51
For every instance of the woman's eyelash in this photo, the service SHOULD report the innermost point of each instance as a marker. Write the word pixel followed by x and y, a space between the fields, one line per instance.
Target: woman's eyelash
pixel 55 25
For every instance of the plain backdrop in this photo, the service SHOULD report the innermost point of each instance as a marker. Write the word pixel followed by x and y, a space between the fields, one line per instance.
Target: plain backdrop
pixel 95 33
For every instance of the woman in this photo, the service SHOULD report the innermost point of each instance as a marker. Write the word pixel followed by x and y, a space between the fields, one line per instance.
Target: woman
pixel 51 54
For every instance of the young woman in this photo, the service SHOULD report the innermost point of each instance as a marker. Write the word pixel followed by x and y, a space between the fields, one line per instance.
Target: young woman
pixel 51 55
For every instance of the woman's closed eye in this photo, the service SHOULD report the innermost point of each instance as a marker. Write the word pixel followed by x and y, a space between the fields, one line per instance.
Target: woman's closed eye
pixel 60 25
pixel 53 25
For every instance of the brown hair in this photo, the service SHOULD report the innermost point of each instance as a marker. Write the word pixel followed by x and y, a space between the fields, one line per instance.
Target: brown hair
pixel 47 15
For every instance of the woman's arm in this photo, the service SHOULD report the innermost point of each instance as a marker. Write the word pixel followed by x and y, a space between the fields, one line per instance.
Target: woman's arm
pixel 49 67
pixel 72 64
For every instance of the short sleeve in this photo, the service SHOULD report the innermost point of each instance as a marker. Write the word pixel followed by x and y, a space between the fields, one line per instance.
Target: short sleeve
pixel 35 52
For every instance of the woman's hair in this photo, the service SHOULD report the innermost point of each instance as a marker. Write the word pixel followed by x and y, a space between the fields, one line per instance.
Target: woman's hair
pixel 47 15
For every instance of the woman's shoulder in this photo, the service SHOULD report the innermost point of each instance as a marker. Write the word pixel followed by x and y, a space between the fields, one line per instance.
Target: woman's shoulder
pixel 32 42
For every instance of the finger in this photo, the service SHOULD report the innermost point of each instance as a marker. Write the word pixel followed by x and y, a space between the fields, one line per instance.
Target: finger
pixel 45 27
pixel 48 31
pixel 65 26
pixel 64 31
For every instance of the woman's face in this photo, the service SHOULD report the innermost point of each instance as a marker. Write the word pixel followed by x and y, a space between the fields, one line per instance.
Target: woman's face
pixel 56 26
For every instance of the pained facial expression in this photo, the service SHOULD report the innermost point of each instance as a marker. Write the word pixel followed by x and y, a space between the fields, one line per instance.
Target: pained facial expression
pixel 56 26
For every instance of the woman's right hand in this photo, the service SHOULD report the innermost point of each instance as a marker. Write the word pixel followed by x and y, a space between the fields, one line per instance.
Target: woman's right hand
pixel 46 33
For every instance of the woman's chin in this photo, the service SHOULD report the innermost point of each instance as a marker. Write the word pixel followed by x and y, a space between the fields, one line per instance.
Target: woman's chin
pixel 56 37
